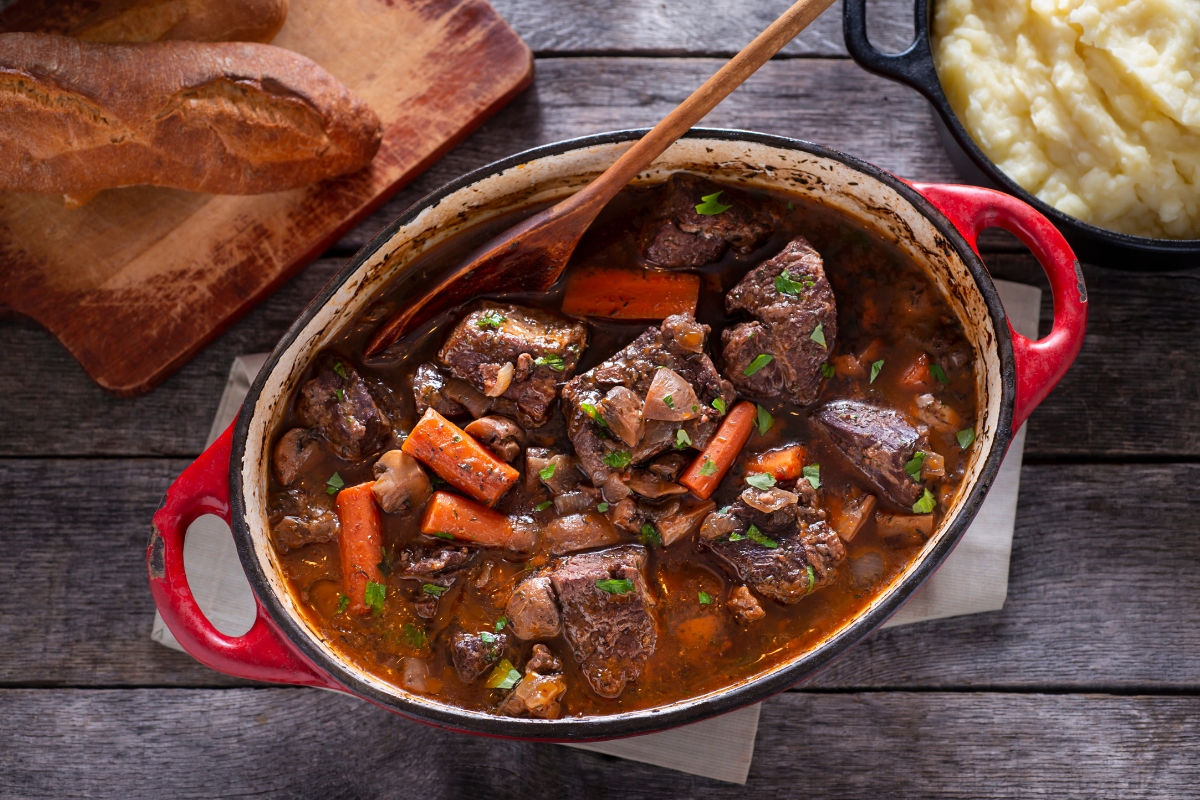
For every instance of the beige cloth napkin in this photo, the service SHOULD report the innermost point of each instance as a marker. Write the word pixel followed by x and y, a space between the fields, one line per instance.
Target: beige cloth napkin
pixel 973 579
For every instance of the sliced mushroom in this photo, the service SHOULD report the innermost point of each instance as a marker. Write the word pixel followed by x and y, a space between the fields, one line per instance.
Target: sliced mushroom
pixel 501 435
pixel 576 532
pixel 854 515
pixel 718 524
pixel 467 396
pixel 532 610
pixel 670 398
pixel 769 501
pixel 900 531
pixel 496 378
pixel 615 489
pixel 400 484
pixel 649 485
pixel 627 516
pixel 679 526
pixel 293 453
pixel 621 410
pixel 669 467
pixel 584 498
pixel 560 473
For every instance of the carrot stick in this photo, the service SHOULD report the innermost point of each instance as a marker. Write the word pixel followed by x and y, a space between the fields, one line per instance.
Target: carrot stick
pixel 917 376
pixel 461 461
pixel 705 473
pixel 619 293
pixel 785 464
pixel 361 543
pixel 467 520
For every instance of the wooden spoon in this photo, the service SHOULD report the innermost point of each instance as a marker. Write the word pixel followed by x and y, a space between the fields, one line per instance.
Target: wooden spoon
pixel 530 256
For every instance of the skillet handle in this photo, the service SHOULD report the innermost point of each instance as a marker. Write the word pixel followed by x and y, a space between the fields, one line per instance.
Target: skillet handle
pixel 1039 364
pixel 262 653
pixel 913 67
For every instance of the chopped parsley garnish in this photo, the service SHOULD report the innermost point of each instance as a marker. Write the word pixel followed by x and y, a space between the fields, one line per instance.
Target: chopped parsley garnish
pixel 335 484
pixel 343 603
pixel 790 206
pixel 785 285
pixel 492 319
pixel 682 439
pixel 500 623
pixel 812 579
pixel 719 405
pixel 591 411
pixel 708 468
pixel 764 420
pixel 341 394
pixel 414 635
pixel 695 408
pixel 760 361
pixel 926 504
pixel 812 474
pixel 827 370
pixel 913 467
pixel 711 205
pixel 443 535
pixel 433 589
pixel 756 536
pixel 487 637
pixel 938 373
pixel 669 401
pixel 617 459
pixel 543 506
pixel 504 676
pixel 761 480
pixel 966 437
pixel 553 361
pixel 456 438
pixel 649 536
pixel 603 507
pixel 340 370
pixel 818 334
pixel 736 537
pixel 875 369
pixel 546 472
pixel 374 596
pixel 615 585
pixel 705 598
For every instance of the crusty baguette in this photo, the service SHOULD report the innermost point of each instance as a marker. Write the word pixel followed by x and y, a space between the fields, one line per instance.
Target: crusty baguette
pixel 224 118
pixel 130 21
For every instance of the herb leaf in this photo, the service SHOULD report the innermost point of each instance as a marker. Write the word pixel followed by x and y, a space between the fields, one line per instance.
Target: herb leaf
pixel 938 373
pixel 340 370
pixel 543 506
pixel 719 405
pixel 343 603
pixel 705 598
pixel 761 480
pixel 492 319
pixel 546 472
pixel 756 536
pixel 790 206
pixel 818 334
pixel 500 623
pixel 615 585
pixel 414 635
pixel 760 361
pixel 649 536
pixel 708 468
pixel 785 285
pixel 913 467
pixel 682 439
pixel 736 537
pixel 603 507
pixel 966 437
pixel 374 596
pixel 669 401
pixel 875 368
pixel 926 504
pixel 504 676
pixel 335 484
pixel 812 473
pixel 341 394
pixel 812 579
pixel 591 411
pixel 617 459
pixel 827 370
pixel 433 589
pixel 443 535
pixel 553 361
pixel 764 420
pixel 711 205
pixel 487 637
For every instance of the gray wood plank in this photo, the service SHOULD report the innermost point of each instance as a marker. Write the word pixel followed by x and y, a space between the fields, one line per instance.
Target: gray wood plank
pixel 1103 588
pixel 677 27
pixel 307 743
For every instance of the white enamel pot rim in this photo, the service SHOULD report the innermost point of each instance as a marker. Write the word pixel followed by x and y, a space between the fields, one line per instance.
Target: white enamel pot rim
pixel 895 209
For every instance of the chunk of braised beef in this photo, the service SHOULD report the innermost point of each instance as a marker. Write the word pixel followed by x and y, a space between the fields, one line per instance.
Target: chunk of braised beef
pixel 441 560
pixel 795 322
pixel 804 559
pixel 300 517
pixel 516 353
pixel 744 605
pixel 429 391
pixel 543 661
pixel 337 404
pixel 293 452
pixel 677 236
pixel 669 467
pixel 474 653
pixel 536 695
pixel 532 610
pixel 606 611
pixel 672 345
pixel 878 442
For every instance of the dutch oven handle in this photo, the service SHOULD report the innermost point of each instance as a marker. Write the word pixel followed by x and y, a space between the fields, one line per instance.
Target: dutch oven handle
pixel 913 67
pixel 1040 364
pixel 261 653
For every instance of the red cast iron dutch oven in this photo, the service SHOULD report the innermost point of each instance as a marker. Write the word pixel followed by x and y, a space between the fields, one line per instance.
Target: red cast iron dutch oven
pixel 936 224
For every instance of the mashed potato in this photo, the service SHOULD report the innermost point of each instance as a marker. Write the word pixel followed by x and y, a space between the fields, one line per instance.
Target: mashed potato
pixel 1092 105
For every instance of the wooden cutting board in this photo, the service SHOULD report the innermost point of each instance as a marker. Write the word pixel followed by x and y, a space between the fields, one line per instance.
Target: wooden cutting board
pixel 140 279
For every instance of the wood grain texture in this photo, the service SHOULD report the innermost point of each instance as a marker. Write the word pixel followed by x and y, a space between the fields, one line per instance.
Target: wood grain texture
pixel 1097 596
pixel 140 279
pixel 307 743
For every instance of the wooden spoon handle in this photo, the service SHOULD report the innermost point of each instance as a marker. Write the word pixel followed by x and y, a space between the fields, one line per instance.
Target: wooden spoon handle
pixel 701 101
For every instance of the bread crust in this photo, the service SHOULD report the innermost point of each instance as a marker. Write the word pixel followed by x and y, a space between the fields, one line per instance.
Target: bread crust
pixel 129 21
pixel 224 118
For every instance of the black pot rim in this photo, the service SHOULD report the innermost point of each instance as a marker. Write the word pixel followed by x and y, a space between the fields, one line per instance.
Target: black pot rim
pixel 915 68
pixel 682 712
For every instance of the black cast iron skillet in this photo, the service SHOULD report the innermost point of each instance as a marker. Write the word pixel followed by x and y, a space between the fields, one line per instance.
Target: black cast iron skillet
pixel 914 67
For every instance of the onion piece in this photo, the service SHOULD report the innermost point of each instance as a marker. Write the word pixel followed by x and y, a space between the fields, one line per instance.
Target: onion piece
pixel 683 404
pixel 503 379
pixel 769 501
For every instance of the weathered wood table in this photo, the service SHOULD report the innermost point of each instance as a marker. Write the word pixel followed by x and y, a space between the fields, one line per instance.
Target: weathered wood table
pixel 1086 684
